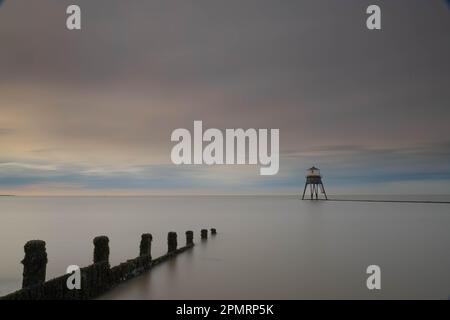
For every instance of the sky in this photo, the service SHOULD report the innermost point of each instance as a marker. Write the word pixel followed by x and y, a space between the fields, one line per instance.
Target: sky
pixel 91 112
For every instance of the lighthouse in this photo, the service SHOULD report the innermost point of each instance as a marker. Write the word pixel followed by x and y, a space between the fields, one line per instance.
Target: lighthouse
pixel 314 180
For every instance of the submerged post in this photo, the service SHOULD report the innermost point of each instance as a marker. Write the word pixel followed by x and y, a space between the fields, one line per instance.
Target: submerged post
pixel 101 249
pixel 204 234
pixel 189 238
pixel 171 241
pixel 34 263
pixel 213 231
pixel 145 248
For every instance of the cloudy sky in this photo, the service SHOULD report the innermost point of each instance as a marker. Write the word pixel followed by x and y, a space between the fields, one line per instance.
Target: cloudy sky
pixel 91 111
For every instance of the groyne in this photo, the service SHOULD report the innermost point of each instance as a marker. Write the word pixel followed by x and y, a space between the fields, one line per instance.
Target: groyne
pixel 97 278
pixel 381 201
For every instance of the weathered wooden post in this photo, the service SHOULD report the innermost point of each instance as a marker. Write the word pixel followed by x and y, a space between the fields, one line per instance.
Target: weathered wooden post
pixel 145 248
pixel 213 231
pixel 189 238
pixel 171 241
pixel 101 249
pixel 34 263
pixel 204 234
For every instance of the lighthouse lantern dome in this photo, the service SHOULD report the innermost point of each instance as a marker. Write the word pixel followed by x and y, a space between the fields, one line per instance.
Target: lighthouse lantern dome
pixel 313 172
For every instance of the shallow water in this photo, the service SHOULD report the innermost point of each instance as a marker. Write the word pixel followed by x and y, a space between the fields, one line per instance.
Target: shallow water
pixel 266 247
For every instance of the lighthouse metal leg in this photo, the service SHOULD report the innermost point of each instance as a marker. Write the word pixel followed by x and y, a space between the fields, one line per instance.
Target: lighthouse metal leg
pixel 304 190
pixel 311 190
pixel 323 189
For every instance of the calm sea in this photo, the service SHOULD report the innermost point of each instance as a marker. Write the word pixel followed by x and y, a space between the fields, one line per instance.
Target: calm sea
pixel 266 247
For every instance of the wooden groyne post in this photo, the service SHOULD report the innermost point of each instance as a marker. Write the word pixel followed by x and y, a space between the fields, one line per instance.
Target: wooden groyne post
pixel 101 249
pixel 172 242
pixel 145 248
pixel 34 263
pixel 96 278
pixel 189 238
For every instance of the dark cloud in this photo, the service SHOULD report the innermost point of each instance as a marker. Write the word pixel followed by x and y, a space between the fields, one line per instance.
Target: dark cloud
pixel 347 96
pixel 5 131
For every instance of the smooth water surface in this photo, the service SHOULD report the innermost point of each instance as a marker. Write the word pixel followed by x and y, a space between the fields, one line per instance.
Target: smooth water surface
pixel 266 247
